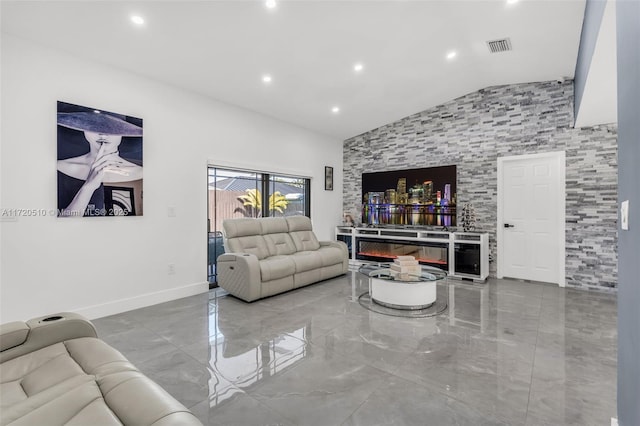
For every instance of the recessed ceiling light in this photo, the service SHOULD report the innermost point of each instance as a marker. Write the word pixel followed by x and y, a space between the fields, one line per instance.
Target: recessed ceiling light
pixel 452 54
pixel 266 78
pixel 335 109
pixel 512 1
pixel 271 4
pixel 138 20
pixel 358 67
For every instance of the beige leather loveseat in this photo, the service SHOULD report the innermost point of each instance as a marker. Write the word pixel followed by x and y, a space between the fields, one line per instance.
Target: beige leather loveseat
pixel 267 256
pixel 54 371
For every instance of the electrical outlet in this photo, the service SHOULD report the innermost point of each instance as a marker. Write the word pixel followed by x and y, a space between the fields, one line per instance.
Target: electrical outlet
pixel 171 269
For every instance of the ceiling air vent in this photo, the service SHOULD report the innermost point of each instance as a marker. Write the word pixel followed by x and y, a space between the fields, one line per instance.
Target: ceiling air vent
pixel 502 45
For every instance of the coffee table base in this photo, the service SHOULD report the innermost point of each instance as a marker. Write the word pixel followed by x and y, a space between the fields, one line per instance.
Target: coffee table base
pixel 405 307
pixel 438 308
pixel 402 295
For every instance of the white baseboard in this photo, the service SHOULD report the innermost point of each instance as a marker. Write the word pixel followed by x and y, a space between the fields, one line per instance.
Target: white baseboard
pixel 614 421
pixel 148 299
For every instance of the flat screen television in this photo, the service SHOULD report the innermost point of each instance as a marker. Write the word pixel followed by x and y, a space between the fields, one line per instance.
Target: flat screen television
pixel 416 197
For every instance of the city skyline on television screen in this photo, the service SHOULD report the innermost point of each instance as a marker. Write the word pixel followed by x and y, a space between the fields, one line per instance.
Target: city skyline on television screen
pixel 424 196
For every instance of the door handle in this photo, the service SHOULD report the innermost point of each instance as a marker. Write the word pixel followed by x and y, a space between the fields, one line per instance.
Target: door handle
pixel 507 225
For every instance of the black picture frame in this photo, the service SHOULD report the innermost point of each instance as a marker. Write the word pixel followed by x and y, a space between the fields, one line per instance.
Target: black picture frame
pixel 328 178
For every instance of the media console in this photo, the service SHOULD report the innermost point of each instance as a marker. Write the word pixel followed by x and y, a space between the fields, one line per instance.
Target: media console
pixel 460 254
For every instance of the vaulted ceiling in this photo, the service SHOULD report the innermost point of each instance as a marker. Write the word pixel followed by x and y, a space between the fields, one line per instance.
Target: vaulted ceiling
pixel 223 49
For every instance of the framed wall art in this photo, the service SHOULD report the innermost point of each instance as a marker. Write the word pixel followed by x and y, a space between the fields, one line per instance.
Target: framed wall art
pixel 99 162
pixel 328 178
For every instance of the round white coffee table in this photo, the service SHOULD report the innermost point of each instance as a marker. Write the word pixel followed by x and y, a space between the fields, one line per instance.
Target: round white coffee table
pixel 405 291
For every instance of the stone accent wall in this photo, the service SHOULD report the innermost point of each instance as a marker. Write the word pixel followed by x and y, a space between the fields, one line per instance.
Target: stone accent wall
pixel 474 130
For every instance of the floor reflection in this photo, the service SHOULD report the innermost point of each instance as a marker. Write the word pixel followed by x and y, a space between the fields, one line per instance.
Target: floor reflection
pixel 241 356
pixel 468 305
pixel 504 353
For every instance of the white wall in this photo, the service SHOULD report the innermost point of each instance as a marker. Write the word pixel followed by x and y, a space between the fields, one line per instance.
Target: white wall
pixel 101 266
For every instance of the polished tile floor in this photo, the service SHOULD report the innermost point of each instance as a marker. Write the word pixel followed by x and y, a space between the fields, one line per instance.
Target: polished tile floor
pixel 504 353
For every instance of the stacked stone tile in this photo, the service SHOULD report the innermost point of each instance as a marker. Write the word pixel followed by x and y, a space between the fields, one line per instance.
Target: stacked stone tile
pixel 474 130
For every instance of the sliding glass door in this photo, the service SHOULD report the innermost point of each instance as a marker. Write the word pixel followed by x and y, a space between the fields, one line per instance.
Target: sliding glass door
pixel 288 196
pixel 239 193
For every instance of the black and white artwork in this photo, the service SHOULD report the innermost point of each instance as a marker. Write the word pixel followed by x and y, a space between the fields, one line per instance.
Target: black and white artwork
pixel 328 178
pixel 99 162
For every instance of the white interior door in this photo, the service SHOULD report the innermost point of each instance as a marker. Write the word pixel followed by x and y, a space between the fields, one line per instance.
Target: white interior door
pixel 531 218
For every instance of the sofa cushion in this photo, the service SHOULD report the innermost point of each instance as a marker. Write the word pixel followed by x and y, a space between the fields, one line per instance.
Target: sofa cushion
pixel 81 405
pixel 57 384
pixel 307 260
pixel 305 240
pixel 254 244
pixel 34 372
pixel 82 381
pixel 55 364
pixel 241 227
pixel 302 234
pixel 331 256
pixel 279 244
pixel 299 223
pixel 273 225
pixel 275 267
pixel 275 232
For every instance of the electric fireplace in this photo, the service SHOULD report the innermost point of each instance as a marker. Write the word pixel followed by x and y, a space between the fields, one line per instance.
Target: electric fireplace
pixel 427 253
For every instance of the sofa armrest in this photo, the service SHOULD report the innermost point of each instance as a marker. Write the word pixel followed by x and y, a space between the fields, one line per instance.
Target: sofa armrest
pixel 239 274
pixel 42 332
pixel 345 252
pixel 13 334
pixel 137 400
pixel 338 244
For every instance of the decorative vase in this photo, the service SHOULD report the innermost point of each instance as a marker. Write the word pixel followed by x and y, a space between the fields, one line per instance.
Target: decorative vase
pixel 468 218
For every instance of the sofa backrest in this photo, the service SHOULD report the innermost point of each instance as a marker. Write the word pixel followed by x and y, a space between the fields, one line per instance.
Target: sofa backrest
pixel 269 236
pixel 301 233
pixel 245 236
pixel 275 231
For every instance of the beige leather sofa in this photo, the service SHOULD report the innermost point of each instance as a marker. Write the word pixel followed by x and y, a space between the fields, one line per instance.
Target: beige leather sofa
pixel 54 371
pixel 268 256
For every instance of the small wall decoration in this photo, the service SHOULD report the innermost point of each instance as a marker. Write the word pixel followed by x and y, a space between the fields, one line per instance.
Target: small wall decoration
pixel 99 163
pixel 468 218
pixel 328 178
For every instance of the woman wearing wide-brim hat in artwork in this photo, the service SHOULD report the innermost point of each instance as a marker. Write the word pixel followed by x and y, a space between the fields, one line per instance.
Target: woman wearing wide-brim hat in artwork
pixel 82 179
